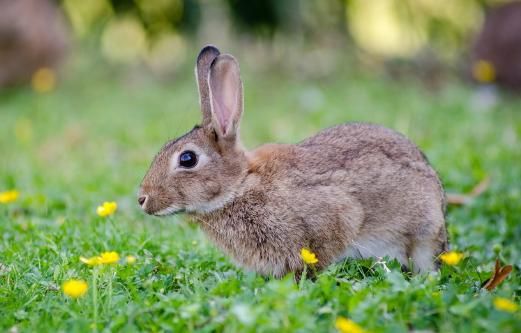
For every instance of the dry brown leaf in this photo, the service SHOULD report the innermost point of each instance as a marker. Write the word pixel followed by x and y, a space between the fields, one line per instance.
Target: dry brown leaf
pixel 498 276
pixel 459 199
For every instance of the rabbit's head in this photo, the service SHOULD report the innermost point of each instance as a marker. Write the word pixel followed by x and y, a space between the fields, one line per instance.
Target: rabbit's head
pixel 200 171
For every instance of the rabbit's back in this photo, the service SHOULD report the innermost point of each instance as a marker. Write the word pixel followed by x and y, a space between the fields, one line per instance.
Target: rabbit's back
pixel 358 139
pixel 367 151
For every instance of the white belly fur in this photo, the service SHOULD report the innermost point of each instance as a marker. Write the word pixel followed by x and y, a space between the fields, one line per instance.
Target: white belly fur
pixel 371 247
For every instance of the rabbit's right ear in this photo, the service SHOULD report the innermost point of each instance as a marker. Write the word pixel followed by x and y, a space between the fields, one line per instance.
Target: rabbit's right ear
pixel 226 98
pixel 202 68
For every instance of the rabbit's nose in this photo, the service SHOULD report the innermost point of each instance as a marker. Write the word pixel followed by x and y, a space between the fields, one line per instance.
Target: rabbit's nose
pixel 142 199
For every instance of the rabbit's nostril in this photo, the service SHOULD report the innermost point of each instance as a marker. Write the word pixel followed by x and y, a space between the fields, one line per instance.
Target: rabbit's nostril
pixel 141 200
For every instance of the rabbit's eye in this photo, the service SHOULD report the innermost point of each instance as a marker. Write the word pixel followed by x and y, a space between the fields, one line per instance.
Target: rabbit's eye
pixel 187 159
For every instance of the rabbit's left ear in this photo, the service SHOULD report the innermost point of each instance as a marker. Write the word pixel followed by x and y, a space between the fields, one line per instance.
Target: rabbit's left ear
pixel 226 98
pixel 202 68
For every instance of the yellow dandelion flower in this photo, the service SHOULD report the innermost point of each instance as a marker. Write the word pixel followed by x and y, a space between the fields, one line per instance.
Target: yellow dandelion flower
pixel 131 260
pixel 505 305
pixel 107 208
pixel 111 257
pixel 104 258
pixel 92 261
pixel 483 71
pixel 345 325
pixel 308 256
pixel 451 258
pixel 9 196
pixel 43 80
pixel 74 288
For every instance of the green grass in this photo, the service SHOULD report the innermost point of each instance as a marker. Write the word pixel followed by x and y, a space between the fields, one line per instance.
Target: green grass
pixel 93 138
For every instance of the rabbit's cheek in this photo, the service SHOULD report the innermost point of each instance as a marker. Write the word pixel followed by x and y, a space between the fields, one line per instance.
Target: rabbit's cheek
pixel 213 189
pixel 202 191
pixel 178 197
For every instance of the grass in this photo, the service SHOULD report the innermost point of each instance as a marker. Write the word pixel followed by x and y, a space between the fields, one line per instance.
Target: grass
pixel 92 139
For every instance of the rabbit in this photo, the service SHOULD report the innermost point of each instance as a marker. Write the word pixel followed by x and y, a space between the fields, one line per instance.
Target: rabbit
pixel 354 190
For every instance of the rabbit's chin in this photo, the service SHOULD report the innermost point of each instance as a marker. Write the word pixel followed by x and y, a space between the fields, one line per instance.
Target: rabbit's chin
pixel 212 205
pixel 169 211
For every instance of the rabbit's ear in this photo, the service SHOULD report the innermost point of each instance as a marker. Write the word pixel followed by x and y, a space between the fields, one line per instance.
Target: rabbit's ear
pixel 225 95
pixel 202 68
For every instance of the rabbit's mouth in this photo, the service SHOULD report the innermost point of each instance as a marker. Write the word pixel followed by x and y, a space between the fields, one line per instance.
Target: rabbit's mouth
pixel 156 205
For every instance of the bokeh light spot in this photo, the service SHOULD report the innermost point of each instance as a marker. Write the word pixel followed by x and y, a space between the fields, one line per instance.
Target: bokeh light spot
pixel 124 40
pixel 43 80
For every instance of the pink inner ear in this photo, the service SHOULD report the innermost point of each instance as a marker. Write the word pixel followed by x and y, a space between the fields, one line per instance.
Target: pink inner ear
pixel 224 88
pixel 221 114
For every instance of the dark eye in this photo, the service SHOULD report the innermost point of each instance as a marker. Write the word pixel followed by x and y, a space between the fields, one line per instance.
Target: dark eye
pixel 188 159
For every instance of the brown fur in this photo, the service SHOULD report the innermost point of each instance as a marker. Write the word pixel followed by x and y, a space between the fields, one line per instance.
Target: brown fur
pixel 355 190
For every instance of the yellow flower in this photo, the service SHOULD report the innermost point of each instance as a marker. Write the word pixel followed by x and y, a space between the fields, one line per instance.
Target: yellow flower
pixel 109 257
pixel 131 260
pixel 74 288
pixel 9 196
pixel 345 325
pixel 506 305
pixel 105 258
pixel 91 261
pixel 107 208
pixel 43 80
pixel 483 71
pixel 308 256
pixel 451 258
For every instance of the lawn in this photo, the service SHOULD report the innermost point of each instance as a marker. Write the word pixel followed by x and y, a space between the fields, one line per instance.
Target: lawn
pixel 91 140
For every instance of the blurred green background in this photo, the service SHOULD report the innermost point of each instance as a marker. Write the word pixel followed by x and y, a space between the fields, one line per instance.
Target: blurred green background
pixel 80 125
pixel 140 30
pixel 160 34
pixel 428 39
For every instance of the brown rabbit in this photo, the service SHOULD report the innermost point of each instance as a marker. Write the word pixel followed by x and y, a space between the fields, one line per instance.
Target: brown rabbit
pixel 354 190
